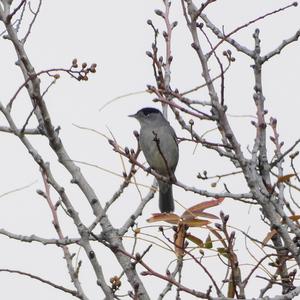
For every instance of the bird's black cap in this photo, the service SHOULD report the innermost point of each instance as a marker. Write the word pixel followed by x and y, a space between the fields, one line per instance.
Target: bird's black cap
pixel 145 111
pixel 149 110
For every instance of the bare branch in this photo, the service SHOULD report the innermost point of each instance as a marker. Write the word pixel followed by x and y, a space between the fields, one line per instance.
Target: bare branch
pixel 278 50
pixel 9 17
pixel 177 270
pixel 231 41
pixel 18 189
pixel 111 234
pixel 138 212
pixel 29 131
pixel 283 155
pixel 34 238
pixel 61 191
pixel 35 14
pixel 54 285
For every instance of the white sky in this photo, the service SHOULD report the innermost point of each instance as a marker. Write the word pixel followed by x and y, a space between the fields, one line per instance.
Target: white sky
pixel 114 34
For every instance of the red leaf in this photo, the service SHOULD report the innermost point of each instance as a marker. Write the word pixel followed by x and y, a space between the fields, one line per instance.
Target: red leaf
pixel 203 215
pixel 269 236
pixel 217 235
pixel 285 178
pixel 197 209
pixel 195 222
pixel 170 218
pixel 295 217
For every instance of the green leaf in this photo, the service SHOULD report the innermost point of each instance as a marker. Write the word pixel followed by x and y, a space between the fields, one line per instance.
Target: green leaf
pixel 208 243
pixel 195 240
pixel 222 251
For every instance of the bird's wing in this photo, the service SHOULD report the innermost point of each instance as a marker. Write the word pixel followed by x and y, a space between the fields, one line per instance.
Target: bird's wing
pixel 174 135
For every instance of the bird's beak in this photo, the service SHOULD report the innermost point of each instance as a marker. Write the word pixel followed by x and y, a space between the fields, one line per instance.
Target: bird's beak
pixel 132 116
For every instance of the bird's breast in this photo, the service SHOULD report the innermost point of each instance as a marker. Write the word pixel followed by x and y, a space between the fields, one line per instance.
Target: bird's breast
pixel 160 148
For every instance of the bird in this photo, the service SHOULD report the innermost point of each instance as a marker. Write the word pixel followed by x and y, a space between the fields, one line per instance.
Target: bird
pixel 158 142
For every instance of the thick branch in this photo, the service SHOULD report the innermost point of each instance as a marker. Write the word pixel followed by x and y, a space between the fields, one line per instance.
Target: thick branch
pixel 56 144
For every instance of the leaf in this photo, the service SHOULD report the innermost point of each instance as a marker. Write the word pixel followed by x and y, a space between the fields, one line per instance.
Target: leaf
pixel 170 218
pixel 197 209
pixel 269 236
pixel 207 215
pixel 195 222
pixel 222 251
pixel 294 217
pixel 217 235
pixel 273 232
pixel 201 214
pixel 208 243
pixel 195 240
pixel 285 178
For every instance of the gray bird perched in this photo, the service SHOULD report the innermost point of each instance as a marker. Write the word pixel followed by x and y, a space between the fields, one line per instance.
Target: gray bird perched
pixel 159 145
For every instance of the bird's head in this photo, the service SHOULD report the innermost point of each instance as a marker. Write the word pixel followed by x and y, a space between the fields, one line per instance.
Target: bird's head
pixel 148 115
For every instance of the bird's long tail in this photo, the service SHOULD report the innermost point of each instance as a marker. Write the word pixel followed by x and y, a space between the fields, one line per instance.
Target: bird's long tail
pixel 166 201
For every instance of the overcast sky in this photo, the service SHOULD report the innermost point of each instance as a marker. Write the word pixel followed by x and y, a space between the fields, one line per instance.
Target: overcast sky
pixel 114 34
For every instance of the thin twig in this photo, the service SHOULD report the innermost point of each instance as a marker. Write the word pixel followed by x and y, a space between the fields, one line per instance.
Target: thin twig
pixel 35 14
pixel 38 278
pixel 18 189
pixel 226 36
pixel 9 17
